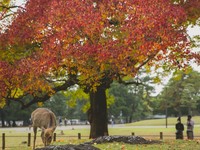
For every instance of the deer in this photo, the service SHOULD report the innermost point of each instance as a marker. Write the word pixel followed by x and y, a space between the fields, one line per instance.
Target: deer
pixel 45 119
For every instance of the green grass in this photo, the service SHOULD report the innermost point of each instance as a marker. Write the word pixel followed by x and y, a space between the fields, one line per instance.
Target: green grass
pixel 162 122
pixel 14 138
pixel 166 145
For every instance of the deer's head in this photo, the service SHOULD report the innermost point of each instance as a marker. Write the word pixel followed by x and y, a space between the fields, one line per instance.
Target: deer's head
pixel 47 135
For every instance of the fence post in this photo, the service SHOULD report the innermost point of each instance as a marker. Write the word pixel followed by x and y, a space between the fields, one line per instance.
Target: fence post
pixel 29 139
pixel 3 141
pixel 161 136
pixel 54 137
pixel 79 136
pixel 133 134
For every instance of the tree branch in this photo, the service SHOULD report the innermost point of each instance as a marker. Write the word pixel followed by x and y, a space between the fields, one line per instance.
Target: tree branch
pixel 147 60
pixel 121 81
pixel 70 82
pixel 10 7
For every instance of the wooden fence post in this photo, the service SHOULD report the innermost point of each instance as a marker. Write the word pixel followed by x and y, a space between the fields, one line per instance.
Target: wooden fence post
pixel 133 134
pixel 3 141
pixel 161 136
pixel 54 137
pixel 29 139
pixel 79 136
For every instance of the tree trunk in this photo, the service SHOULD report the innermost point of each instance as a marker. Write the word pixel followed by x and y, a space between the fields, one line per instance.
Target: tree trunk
pixel 131 113
pixel 97 114
pixel 130 118
pixel 2 118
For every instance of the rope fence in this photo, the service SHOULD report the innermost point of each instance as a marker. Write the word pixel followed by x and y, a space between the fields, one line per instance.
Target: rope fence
pixel 5 143
pixel 29 138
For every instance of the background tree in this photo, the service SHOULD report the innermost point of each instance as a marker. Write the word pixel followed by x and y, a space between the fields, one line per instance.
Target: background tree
pixel 78 104
pixel 57 103
pixel 132 101
pixel 181 94
pixel 12 113
pixel 52 45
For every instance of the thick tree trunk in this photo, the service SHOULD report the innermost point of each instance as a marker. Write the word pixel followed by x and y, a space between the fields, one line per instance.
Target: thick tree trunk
pixel 97 114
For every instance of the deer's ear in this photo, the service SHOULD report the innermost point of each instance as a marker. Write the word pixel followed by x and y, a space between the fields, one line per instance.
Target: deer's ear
pixel 43 129
pixel 53 128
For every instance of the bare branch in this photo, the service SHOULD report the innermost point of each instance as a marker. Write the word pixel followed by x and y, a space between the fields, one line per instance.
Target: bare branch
pixel 47 96
pixel 147 60
pixel 11 7
pixel 121 81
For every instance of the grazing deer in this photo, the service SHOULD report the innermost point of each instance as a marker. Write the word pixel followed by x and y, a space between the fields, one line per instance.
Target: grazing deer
pixel 46 120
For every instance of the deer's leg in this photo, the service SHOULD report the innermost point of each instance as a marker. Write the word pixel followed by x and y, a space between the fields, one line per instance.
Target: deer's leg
pixel 35 133
pixel 43 138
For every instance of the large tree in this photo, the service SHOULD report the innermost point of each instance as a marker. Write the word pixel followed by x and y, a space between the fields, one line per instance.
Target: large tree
pixel 52 45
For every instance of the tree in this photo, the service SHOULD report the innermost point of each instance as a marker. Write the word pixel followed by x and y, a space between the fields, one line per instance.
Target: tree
pixel 191 8
pixel 12 113
pixel 133 101
pixel 77 104
pixel 52 45
pixel 7 11
pixel 57 104
pixel 181 94
pixel 4 8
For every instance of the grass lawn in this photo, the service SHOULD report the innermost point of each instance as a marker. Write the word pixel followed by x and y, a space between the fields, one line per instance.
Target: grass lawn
pixel 166 145
pixel 16 139
pixel 162 122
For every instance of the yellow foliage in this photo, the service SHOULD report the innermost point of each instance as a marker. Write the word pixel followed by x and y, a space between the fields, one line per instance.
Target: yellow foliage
pixel 148 68
pixel 40 104
pixel 157 80
pixel 17 92
pixel 188 70
pixel 110 99
pixel 76 95
pixel 86 107
pixel 4 3
pixel 127 78
pixel 72 102
pixel 2 102
pixel 178 77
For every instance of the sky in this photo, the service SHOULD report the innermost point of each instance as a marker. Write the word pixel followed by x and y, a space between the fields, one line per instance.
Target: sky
pixel 193 31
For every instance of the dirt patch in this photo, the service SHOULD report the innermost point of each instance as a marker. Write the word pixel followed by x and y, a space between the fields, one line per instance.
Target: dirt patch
pixel 124 139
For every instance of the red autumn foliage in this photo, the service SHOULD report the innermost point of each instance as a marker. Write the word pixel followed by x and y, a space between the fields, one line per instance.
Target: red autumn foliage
pixel 112 38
